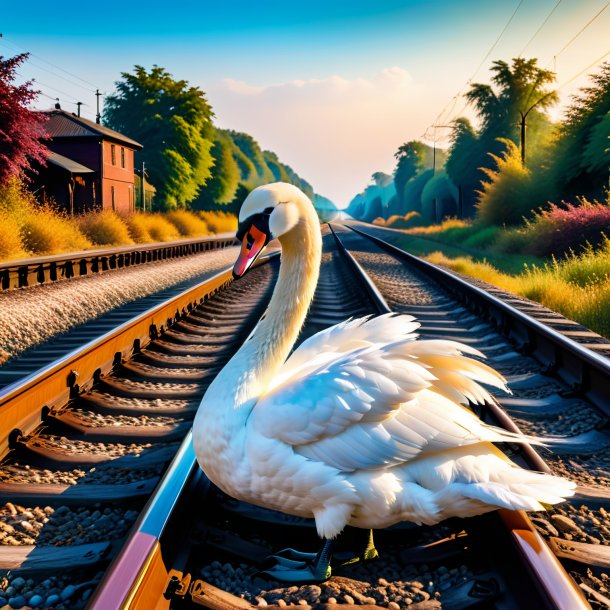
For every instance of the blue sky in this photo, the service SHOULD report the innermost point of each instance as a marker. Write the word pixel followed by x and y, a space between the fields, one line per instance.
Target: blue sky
pixel 332 87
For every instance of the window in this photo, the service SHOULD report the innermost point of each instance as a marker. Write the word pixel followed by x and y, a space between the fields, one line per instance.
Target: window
pixel 113 154
pixel 112 194
pixel 122 157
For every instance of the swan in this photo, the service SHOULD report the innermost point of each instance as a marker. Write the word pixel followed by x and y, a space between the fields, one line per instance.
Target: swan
pixel 362 425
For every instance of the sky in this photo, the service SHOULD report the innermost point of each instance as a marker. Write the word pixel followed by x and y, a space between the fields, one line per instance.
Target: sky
pixel 333 87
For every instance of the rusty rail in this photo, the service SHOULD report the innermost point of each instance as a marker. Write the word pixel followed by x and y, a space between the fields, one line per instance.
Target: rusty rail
pixel 46 269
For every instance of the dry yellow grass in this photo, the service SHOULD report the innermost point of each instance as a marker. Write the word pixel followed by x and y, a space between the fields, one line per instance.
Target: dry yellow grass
pixel 44 231
pixel 188 223
pixel 161 229
pixel 559 286
pixel 220 222
pixel 10 239
pixel 104 228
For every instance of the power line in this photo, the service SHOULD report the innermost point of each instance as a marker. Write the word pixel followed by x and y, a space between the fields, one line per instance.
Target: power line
pixel 455 98
pixel 540 28
pixel 47 61
pixel 597 61
pixel 68 80
pixel 581 31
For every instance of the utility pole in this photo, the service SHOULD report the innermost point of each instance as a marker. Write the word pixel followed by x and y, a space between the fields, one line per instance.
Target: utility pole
pixel 435 127
pixel 78 105
pixel 143 190
pixel 97 116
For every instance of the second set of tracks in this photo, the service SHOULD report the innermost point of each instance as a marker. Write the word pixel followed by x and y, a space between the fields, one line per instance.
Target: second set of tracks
pixel 89 444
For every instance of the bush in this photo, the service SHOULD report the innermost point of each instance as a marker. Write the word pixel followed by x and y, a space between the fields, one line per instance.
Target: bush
pixel 412 219
pixel 138 225
pixel 10 240
pixel 188 223
pixel 161 229
pixel 220 222
pixel 556 230
pixel 45 231
pixel 511 193
pixel 105 228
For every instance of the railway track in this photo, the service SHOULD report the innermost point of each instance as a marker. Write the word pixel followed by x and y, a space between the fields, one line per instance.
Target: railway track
pixel 133 405
pixel 47 269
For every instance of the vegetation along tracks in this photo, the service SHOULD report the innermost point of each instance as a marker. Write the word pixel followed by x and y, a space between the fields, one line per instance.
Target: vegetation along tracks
pixel 217 541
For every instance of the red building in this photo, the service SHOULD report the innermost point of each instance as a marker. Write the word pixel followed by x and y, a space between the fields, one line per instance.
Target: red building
pixel 92 168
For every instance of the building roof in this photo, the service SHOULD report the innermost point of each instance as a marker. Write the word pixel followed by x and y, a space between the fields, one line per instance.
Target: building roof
pixel 68 164
pixel 62 124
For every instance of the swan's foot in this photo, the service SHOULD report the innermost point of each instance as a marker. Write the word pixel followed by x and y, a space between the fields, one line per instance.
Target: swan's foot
pixel 368 554
pixel 296 567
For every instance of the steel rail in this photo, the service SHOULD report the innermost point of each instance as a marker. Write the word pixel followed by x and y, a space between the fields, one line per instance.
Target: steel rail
pixel 46 269
pixel 560 591
pixel 583 370
pixel 23 404
pixel 142 579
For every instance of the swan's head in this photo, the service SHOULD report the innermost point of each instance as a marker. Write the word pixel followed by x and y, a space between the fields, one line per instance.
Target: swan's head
pixel 268 212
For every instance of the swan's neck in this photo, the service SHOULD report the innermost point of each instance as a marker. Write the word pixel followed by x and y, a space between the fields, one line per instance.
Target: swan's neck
pixel 255 364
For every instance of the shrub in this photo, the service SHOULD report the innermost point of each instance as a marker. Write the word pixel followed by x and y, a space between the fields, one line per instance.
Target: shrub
pixel 105 228
pixel 161 229
pixel 220 222
pixel 558 230
pixel 412 219
pixel 45 231
pixel 138 225
pixel 512 241
pixel 188 223
pixel 510 195
pixel 10 240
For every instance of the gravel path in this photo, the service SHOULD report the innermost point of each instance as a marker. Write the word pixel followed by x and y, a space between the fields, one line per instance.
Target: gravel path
pixel 31 316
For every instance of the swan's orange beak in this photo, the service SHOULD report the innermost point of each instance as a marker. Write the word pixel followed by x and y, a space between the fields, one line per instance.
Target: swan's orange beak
pixel 252 245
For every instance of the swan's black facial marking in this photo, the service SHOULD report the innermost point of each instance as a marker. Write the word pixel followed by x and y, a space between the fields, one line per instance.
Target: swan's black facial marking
pixel 260 221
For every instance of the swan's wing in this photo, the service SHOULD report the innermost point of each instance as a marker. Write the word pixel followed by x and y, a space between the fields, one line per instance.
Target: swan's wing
pixel 381 405
pixel 328 344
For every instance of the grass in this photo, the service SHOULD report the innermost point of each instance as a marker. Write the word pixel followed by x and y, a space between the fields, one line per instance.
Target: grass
pixel 220 222
pixel 577 286
pixel 188 223
pixel 28 228
pixel 105 228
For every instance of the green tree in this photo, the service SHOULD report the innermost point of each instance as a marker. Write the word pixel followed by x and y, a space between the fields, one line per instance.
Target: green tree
pixel 583 155
pixel 521 94
pixel 466 156
pixel 221 188
pixel 410 159
pixel 173 121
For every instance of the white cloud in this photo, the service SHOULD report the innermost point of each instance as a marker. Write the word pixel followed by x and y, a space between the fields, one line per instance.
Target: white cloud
pixel 334 131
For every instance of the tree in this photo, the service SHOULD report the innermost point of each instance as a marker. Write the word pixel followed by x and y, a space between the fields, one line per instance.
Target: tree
pixel 410 162
pixel 173 121
pixel 463 165
pixel 21 129
pixel 521 92
pixel 221 188
pixel 583 158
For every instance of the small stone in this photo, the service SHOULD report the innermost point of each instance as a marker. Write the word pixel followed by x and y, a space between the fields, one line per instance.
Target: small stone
pixel 348 599
pixel 18 582
pixel 302 602
pixel 332 600
pixel 260 601
pixel 35 601
pixel 17 602
pixel 27 526
pixel 393 606
pixel 383 582
pixel 52 600
pixel 68 592
pixel 565 524
pixel 281 603
pixel 11 507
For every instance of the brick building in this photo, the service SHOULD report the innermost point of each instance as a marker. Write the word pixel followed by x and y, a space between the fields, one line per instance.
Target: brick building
pixel 92 166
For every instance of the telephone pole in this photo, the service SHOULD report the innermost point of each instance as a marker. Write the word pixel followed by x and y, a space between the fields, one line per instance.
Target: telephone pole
pixel 97 95
pixel 143 190
pixel 78 105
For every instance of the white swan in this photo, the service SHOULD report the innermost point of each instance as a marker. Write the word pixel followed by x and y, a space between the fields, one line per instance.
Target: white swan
pixel 362 425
